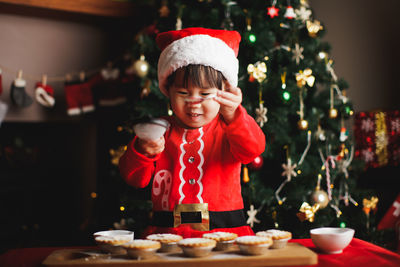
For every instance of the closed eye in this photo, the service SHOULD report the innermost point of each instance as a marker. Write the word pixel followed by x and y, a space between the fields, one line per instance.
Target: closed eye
pixel 182 93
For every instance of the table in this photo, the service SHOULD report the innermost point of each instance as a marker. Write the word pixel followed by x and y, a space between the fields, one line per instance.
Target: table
pixel 358 253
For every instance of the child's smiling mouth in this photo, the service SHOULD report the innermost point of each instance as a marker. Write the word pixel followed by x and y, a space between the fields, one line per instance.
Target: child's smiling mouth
pixel 193 115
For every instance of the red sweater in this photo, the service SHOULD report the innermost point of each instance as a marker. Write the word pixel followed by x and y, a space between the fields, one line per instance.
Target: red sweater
pixel 197 165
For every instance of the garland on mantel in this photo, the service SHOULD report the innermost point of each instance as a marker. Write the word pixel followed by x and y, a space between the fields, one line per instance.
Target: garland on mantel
pixel 109 83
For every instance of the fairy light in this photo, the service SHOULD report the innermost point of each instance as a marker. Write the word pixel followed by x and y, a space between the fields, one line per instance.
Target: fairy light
pixel 322 55
pixel 93 195
pixel 252 38
pixel 286 96
pixel 122 208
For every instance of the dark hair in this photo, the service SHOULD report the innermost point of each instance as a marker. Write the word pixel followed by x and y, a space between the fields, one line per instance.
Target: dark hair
pixel 199 76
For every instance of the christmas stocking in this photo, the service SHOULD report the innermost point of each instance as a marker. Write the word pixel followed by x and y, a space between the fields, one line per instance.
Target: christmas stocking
pixel 78 96
pixel 3 111
pixel 108 89
pixel 18 95
pixel 44 94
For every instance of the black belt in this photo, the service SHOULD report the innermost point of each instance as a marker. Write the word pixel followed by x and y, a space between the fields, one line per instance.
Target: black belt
pixel 217 219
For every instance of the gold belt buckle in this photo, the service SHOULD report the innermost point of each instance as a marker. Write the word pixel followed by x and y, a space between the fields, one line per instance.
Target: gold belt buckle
pixel 197 207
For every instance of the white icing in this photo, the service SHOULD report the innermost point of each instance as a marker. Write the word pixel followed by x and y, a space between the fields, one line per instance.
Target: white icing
pixel 194 241
pixel 219 235
pixel 164 237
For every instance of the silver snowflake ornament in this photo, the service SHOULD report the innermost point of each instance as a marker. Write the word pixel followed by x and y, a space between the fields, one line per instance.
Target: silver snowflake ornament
pixel 298 53
pixel 261 115
pixel 252 216
pixel 288 169
pixel 303 13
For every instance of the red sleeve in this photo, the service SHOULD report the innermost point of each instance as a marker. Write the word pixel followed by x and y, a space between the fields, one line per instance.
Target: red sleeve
pixel 136 168
pixel 245 137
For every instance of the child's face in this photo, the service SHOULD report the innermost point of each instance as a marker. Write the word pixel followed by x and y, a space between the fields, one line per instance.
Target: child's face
pixel 194 107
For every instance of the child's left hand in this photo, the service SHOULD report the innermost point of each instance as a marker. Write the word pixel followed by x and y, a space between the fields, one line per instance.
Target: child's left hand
pixel 229 100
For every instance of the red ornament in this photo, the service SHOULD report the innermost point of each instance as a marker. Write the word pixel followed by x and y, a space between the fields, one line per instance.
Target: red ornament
pixel 251 78
pixel 273 11
pixel 257 163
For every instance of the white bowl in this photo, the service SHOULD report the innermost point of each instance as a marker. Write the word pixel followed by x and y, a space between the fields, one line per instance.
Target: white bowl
pixel 331 240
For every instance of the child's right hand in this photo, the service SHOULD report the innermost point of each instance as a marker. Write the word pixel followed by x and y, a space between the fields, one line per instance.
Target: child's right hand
pixel 150 148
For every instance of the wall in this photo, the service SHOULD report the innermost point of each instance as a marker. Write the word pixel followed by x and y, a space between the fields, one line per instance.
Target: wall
pixel 365 48
pixel 55 43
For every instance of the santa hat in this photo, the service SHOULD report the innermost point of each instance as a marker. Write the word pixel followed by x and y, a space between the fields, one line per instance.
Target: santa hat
pixel 215 48
pixel 44 94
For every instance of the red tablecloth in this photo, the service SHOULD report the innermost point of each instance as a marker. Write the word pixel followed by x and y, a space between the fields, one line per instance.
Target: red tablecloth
pixel 358 253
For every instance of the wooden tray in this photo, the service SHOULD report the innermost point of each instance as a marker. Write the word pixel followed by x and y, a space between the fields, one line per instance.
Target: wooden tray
pixel 292 254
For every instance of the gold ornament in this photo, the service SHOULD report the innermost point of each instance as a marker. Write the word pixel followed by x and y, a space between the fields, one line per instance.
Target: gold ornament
pixel 320 197
pixel 305 77
pixel 313 27
pixel 302 124
pixel 146 89
pixel 307 212
pixel 381 139
pixel 116 154
pixel 333 113
pixel 246 177
pixel 141 67
pixel 164 10
pixel 369 204
pixel 258 71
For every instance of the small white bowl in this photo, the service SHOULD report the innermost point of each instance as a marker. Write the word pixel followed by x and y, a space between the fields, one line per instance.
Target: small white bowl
pixel 331 240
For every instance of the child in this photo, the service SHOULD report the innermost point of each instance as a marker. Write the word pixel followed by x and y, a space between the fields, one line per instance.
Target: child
pixel 196 164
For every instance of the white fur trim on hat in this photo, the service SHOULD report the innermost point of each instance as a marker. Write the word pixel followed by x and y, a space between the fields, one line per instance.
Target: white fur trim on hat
pixel 198 49
pixel 44 97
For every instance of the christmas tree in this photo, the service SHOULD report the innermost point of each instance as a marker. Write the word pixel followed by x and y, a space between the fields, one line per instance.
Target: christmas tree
pixel 307 176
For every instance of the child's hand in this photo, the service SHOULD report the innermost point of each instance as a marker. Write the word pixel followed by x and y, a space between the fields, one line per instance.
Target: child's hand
pixel 150 148
pixel 229 100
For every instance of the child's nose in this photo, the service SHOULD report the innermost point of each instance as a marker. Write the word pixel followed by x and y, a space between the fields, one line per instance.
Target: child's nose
pixel 194 104
pixel 194 100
